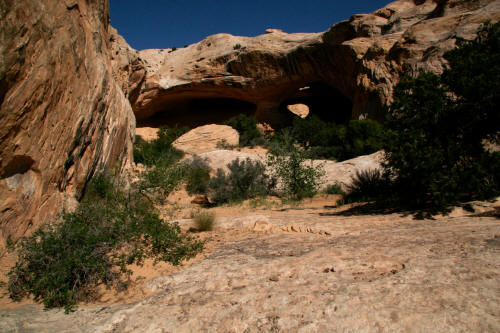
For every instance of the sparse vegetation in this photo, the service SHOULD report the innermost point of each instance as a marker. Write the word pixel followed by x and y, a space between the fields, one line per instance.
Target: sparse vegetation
pixel 368 185
pixel 334 189
pixel 197 176
pixel 245 179
pixel 247 128
pixel 204 220
pixel 297 177
pixel 325 140
pixel 160 150
pixel 64 262
pixel 237 46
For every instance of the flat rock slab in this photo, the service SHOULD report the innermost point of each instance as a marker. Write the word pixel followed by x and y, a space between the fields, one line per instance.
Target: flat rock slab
pixel 373 273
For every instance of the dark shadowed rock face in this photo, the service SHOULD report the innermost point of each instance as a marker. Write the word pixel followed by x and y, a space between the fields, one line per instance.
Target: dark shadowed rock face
pixel 348 71
pixel 62 117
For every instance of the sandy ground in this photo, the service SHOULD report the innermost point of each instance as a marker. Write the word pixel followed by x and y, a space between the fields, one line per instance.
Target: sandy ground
pixel 304 268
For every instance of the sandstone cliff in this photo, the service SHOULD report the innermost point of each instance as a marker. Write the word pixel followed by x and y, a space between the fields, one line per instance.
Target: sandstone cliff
pixel 62 115
pixel 346 72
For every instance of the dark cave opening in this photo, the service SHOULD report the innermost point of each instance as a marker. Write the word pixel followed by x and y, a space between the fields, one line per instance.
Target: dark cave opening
pixel 324 101
pixel 199 111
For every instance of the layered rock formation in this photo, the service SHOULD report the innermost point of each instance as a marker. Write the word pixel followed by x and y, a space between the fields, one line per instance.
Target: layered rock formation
pixel 62 117
pixel 346 72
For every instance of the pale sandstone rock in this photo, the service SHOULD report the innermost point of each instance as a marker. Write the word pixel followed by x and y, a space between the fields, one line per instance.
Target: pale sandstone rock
pixel 63 117
pixel 147 133
pixel 335 172
pixel 361 58
pixel 300 110
pixel 375 273
pixel 206 138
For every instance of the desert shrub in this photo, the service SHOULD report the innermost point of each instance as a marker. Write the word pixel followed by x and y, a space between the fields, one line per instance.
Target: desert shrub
pixel 297 177
pixel 236 46
pixel 245 179
pixel 334 189
pixel 160 150
pixel 160 180
pixel 327 140
pixel 246 127
pixel 437 126
pixel 368 185
pixel 197 175
pixel 204 221
pixel 197 180
pixel 64 262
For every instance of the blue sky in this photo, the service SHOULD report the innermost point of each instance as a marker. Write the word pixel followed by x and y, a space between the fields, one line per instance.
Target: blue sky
pixel 167 23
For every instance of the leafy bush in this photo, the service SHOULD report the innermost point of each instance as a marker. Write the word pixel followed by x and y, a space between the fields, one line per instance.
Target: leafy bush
pixel 204 221
pixel 334 189
pixel 160 180
pixel 246 127
pixel 160 150
pixel 437 127
pixel 197 175
pixel 246 179
pixel 325 140
pixel 64 262
pixel 297 177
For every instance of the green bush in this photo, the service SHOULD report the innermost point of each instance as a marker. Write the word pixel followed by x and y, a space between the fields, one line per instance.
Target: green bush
pixel 197 175
pixel 297 177
pixel 160 180
pixel 63 263
pixel 160 150
pixel 246 179
pixel 334 189
pixel 204 221
pixel 325 140
pixel 247 128
pixel 368 185
pixel 438 125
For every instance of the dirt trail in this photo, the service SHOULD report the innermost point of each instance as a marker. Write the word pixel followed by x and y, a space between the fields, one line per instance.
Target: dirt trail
pixel 371 273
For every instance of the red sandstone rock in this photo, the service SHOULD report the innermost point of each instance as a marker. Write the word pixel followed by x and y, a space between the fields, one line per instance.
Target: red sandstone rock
pixel 62 115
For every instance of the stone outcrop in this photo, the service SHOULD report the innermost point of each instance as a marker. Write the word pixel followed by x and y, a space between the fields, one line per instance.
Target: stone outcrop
pixel 340 173
pixel 63 117
pixel 207 138
pixel 346 72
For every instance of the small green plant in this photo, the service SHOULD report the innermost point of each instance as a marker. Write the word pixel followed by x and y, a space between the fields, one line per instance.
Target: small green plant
pixel 237 46
pixel 368 185
pixel 223 144
pixel 334 189
pixel 174 49
pixel 160 150
pixel 64 262
pixel 204 221
pixel 246 127
pixel 197 175
pixel 297 177
pixel 160 180
pixel 245 179
pixel 197 181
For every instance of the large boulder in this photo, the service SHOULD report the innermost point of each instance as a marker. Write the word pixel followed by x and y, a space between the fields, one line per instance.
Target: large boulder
pixel 63 117
pixel 207 138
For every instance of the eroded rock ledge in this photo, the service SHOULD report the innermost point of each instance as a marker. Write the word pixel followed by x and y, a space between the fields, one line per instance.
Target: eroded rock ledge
pixel 346 72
